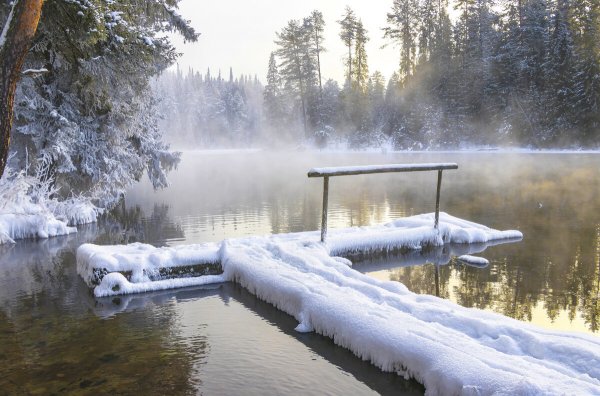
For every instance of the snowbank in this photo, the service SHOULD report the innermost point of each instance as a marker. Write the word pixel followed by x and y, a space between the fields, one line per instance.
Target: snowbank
pixel 474 260
pixel 28 213
pixel 452 350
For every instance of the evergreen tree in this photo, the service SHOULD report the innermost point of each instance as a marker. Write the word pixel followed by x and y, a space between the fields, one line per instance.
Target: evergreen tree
pixel 347 34
pixel 586 21
pixel 361 68
pixel 402 30
pixel 297 66
pixel 90 122
pixel 15 39
pixel 317 27
pixel 560 73
pixel 273 97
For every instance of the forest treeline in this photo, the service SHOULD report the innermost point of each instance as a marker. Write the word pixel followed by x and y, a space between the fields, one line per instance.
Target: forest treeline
pixel 202 110
pixel 517 73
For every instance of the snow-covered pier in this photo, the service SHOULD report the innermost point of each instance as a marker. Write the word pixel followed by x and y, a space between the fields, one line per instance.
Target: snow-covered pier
pixel 135 268
pixel 449 348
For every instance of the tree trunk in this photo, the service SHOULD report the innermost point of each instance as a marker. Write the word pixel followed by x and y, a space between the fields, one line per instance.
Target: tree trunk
pixel 349 64
pixel 317 39
pixel 15 41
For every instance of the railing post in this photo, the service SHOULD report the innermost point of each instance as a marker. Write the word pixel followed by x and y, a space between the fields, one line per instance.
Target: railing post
pixel 324 216
pixel 437 280
pixel 437 200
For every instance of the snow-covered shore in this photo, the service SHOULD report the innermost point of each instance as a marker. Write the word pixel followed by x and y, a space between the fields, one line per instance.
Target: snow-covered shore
pixel 29 213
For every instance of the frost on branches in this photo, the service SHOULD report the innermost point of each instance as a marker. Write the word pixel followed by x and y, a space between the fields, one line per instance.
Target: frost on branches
pixel 28 211
pixel 89 125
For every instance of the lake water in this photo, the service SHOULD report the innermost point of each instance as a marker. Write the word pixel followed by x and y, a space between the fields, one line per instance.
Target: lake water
pixel 56 338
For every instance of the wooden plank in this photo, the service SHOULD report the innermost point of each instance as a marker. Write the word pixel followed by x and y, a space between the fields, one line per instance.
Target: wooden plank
pixel 384 168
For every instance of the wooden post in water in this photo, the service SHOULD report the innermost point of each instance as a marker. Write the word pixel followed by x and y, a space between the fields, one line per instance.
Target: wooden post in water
pixel 437 200
pixel 437 279
pixel 325 202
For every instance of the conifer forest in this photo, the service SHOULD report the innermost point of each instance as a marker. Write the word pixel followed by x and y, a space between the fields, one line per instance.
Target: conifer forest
pixel 522 73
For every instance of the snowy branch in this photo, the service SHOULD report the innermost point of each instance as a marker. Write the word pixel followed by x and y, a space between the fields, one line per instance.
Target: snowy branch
pixel 34 72
pixel 7 24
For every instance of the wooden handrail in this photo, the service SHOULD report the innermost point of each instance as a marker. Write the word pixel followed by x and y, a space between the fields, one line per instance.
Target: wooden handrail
pixel 326 173
pixel 367 169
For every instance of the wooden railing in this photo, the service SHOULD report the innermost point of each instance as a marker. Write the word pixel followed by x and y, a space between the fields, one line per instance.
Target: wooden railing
pixel 326 173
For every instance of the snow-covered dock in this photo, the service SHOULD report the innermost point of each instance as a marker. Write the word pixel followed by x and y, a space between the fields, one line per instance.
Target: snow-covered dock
pixel 140 267
pixel 448 348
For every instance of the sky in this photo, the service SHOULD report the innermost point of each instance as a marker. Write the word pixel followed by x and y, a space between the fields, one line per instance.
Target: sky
pixel 240 34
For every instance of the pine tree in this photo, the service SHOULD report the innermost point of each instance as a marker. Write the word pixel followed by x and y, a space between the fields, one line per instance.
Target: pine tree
pixel 402 30
pixel 361 68
pixel 273 97
pixel 15 39
pixel 348 34
pixel 560 71
pixel 297 68
pixel 317 27
pixel 586 21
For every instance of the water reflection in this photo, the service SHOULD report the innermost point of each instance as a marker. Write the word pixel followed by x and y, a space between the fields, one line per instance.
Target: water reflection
pixel 51 343
pixel 125 225
pixel 300 372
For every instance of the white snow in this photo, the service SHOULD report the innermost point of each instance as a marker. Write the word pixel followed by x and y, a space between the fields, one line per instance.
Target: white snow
pixel 115 283
pixel 28 72
pixel 474 260
pixel 7 25
pixel 413 232
pixel 28 213
pixel 148 41
pixel 142 260
pixel 31 225
pixel 452 350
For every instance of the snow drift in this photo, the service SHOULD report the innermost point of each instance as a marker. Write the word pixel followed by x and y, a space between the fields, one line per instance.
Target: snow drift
pixel 27 211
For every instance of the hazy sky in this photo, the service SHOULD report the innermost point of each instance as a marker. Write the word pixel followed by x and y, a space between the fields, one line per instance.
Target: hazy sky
pixel 240 34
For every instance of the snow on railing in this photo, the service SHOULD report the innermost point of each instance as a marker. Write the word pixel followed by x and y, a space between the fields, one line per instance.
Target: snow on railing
pixel 326 173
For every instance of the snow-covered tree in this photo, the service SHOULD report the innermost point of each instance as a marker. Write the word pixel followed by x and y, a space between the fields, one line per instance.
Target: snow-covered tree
pixel 90 122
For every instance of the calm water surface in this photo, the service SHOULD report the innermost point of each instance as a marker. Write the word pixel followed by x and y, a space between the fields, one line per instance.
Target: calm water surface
pixel 56 338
